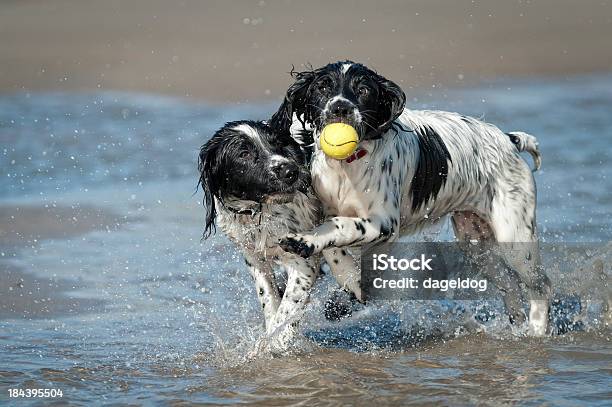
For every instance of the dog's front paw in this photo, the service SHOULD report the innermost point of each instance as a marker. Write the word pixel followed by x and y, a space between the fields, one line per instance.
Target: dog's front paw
pixel 298 245
pixel 276 344
pixel 259 349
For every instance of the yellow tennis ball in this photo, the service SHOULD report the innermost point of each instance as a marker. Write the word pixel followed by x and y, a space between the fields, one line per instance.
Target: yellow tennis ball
pixel 339 140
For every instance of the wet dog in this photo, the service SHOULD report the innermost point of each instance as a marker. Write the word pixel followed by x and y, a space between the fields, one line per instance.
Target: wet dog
pixel 256 189
pixel 411 169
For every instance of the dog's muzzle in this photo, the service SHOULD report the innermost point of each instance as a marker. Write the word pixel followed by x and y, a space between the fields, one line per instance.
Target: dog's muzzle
pixel 286 172
pixel 341 111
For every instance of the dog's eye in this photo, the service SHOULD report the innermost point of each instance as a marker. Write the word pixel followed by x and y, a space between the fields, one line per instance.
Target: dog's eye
pixel 363 90
pixel 244 154
pixel 323 87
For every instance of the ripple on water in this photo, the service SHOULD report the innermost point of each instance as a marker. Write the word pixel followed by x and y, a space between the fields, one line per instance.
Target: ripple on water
pixel 172 318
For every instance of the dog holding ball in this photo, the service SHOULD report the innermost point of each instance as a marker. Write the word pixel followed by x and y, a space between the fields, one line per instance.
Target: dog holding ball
pixel 410 169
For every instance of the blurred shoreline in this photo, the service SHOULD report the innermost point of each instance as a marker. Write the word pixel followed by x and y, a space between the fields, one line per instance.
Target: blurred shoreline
pixel 242 51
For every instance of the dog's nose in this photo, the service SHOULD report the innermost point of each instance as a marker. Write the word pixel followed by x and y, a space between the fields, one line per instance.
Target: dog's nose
pixel 286 172
pixel 341 108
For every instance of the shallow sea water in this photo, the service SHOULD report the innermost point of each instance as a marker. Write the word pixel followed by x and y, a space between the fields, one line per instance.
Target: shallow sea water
pixel 107 292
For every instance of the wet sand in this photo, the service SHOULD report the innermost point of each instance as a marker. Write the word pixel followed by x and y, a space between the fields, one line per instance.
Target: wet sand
pixel 241 50
pixel 29 296
pixel 45 295
pixel 28 224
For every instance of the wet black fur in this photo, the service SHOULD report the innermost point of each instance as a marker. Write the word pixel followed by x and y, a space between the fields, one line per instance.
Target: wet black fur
pixel 432 168
pixel 313 88
pixel 232 165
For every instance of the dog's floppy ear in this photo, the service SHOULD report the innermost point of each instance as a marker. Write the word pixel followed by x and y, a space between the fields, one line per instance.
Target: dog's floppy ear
pixel 393 99
pixel 294 102
pixel 206 166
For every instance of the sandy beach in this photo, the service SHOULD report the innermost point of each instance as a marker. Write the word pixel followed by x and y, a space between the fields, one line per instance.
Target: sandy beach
pixel 240 51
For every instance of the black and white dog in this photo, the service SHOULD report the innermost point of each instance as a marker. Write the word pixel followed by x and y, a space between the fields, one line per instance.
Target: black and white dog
pixel 256 189
pixel 411 169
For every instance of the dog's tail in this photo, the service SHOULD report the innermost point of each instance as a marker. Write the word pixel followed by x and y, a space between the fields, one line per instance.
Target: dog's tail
pixel 527 142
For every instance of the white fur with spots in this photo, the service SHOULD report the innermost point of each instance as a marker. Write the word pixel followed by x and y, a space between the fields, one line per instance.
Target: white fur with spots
pixel 370 200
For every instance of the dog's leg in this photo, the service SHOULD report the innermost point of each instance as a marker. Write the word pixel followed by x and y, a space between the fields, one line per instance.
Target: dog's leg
pixel 300 277
pixel 342 231
pixel 470 227
pixel 265 286
pixel 345 270
pixel 516 228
